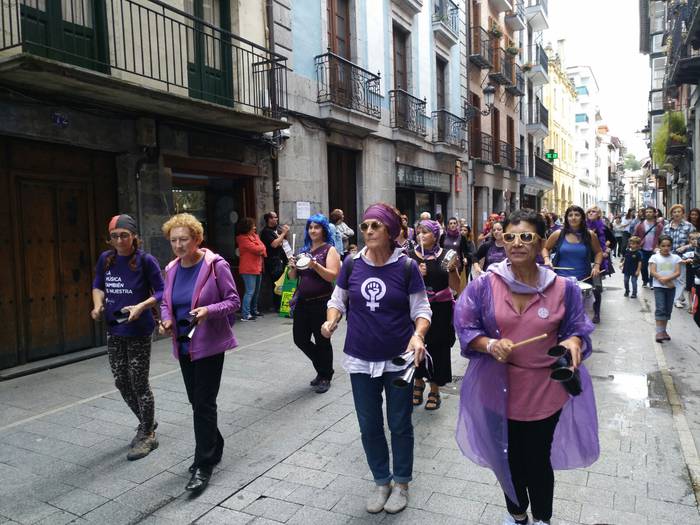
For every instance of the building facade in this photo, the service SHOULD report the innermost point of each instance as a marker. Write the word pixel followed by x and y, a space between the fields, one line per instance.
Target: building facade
pixel 560 98
pixel 587 119
pixel 376 108
pixel 97 119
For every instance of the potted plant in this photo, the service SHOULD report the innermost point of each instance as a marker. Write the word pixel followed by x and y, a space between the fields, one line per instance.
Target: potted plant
pixel 496 30
pixel 512 50
pixel 527 67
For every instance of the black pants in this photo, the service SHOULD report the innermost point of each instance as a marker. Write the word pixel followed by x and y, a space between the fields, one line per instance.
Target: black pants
pixel 308 318
pixel 130 361
pixel 202 379
pixel 529 448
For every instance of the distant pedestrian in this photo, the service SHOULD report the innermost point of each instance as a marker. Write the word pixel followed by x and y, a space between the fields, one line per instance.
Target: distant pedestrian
pixel 469 252
pixel 694 218
pixel 491 251
pixel 618 228
pixel 337 218
pixel 274 237
pixel 252 253
pixel 127 286
pixel 314 289
pixel 410 232
pixel 388 313
pixel 631 265
pixel 453 240
pixel 679 229
pixel 649 230
pixel 664 268
pixel 199 300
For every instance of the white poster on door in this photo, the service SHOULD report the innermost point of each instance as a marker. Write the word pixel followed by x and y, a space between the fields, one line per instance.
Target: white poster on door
pixel 303 210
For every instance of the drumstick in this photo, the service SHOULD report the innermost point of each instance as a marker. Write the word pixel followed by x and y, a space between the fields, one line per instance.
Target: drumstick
pixel 562 268
pixel 294 242
pixel 530 340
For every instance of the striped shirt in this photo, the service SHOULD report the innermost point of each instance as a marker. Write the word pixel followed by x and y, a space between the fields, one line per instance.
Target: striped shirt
pixel 679 233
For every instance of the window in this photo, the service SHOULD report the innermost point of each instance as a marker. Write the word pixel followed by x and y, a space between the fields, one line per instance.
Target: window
pixel 658 72
pixel 440 81
pixel 582 117
pixel 338 12
pixel 657 100
pixel 400 59
pixel 658 16
pixel 656 121
pixel 657 45
pixel 582 90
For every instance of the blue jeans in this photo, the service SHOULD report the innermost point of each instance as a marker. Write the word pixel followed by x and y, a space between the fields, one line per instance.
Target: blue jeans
pixel 252 291
pixel 367 394
pixel 631 277
pixel 663 298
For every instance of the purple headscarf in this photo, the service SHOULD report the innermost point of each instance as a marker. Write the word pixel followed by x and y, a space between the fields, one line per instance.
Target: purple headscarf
pixel 434 227
pixel 388 217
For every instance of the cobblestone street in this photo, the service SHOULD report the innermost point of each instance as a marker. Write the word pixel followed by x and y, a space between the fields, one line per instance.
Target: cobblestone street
pixel 293 456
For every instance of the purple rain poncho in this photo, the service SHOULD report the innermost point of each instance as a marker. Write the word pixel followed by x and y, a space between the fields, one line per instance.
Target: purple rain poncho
pixel 482 425
pixel 598 227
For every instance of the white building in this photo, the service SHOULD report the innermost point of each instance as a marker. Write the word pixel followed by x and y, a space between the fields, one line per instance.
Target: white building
pixel 586 139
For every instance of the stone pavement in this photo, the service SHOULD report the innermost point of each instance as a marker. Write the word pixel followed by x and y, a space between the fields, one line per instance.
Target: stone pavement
pixel 293 456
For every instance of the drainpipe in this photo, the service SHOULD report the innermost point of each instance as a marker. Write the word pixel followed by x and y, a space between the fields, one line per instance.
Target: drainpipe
pixel 270 22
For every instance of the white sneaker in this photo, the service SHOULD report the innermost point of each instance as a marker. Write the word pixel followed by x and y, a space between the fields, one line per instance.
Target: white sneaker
pixel 539 522
pixel 510 520
pixel 376 500
pixel 679 304
pixel 397 501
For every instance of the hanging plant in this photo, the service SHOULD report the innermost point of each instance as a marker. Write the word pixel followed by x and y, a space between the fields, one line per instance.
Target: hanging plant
pixel 496 31
pixel 512 50
pixel 527 67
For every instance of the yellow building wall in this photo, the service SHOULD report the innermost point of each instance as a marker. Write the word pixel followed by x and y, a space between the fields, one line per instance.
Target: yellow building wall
pixel 560 98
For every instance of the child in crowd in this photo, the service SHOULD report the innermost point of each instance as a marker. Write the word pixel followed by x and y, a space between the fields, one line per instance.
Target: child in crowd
pixel 631 265
pixel 690 253
pixel 664 268
pixel 352 250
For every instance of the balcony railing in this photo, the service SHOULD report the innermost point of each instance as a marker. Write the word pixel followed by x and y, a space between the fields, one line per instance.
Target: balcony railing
pixel 517 83
pixel 519 160
pixel 482 48
pixel 448 128
pixel 448 14
pixel 502 71
pixel 543 169
pixel 506 155
pixel 481 146
pixel 347 85
pixel 541 3
pixel 408 112
pixel 153 44
pixel 538 114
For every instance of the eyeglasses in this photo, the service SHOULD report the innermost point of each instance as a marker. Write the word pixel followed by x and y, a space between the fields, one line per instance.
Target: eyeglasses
pixel 525 237
pixel 375 225
pixel 123 236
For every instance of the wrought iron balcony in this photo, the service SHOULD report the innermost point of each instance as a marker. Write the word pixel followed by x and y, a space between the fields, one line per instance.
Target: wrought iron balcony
pixel 408 112
pixel 446 22
pixel 481 146
pixel 538 119
pixel 502 71
pixel 482 48
pixel 515 19
pixel 448 128
pixel 506 154
pixel 517 83
pixel 543 169
pixel 347 85
pixel 151 44
pixel 538 66
pixel 519 160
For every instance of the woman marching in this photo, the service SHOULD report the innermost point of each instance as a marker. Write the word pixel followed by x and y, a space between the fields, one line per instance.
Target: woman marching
pixel 314 288
pixel 441 278
pixel 491 251
pixel 574 248
pixel 198 304
pixel 513 417
pixel 252 256
pixel 388 313
pixel 127 285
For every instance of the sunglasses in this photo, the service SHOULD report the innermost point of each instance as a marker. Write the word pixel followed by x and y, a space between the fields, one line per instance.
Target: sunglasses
pixel 123 236
pixel 525 237
pixel 375 225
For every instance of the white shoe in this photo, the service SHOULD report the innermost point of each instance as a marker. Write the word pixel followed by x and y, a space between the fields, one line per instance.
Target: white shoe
pixel 679 304
pixel 510 520
pixel 376 501
pixel 539 522
pixel 397 501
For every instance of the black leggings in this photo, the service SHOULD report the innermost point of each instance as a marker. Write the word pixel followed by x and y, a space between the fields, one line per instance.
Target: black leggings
pixel 529 448
pixel 130 361
pixel 308 318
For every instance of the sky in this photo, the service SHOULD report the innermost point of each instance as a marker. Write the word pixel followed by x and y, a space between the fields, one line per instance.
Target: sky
pixel 604 34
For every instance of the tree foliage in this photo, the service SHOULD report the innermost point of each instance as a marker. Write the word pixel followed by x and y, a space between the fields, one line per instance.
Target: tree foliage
pixel 631 163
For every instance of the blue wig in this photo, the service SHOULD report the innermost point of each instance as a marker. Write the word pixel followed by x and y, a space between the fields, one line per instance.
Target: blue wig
pixel 322 220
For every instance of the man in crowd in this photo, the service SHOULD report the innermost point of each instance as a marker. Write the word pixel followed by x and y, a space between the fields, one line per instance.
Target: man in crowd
pixel 648 231
pixel 273 236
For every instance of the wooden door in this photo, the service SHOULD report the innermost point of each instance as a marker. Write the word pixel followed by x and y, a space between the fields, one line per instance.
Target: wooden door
pixel 10 333
pixel 209 52
pixel 440 82
pixel 342 184
pixel 496 135
pixel 338 12
pixel 510 139
pixel 400 62
pixel 475 128
pixel 476 14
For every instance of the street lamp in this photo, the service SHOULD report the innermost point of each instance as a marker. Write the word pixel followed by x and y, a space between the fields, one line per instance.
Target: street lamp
pixel 470 111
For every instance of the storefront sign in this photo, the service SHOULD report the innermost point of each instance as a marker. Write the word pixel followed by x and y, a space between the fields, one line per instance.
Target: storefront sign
pixel 419 178
pixel 530 190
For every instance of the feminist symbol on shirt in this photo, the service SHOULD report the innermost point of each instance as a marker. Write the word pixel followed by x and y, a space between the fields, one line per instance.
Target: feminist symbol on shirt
pixel 373 290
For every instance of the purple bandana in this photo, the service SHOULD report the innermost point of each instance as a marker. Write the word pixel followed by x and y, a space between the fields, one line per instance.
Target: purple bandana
pixel 434 228
pixel 385 215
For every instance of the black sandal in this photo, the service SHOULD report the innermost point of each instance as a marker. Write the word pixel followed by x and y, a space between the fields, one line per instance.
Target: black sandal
pixel 433 402
pixel 418 394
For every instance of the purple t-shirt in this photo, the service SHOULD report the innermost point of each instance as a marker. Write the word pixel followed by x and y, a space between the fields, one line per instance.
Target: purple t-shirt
pixel 125 287
pixel 379 314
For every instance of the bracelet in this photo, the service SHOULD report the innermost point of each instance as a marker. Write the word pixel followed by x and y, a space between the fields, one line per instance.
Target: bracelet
pixel 489 345
pixel 419 336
